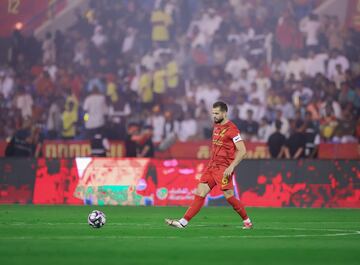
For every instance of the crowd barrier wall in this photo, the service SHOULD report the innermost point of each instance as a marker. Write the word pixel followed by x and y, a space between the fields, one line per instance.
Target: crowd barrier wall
pixel 158 182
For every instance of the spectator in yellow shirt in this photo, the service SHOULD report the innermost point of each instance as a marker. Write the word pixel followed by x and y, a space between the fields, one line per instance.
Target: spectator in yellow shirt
pixel 159 85
pixel 69 119
pixel 145 89
pixel 111 89
pixel 160 22
pixel 172 72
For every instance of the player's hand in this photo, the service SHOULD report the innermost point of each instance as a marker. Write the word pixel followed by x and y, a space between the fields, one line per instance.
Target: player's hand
pixel 228 171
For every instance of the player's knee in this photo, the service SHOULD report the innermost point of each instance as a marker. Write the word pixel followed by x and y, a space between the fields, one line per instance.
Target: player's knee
pixel 228 193
pixel 200 192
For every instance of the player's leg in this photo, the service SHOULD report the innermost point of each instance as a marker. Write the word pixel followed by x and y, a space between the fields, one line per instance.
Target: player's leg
pixel 202 190
pixel 238 207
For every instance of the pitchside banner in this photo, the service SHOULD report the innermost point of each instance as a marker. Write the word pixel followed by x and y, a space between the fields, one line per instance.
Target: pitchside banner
pixel 114 181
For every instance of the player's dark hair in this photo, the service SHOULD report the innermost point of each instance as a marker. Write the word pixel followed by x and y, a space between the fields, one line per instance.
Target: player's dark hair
pixel 221 105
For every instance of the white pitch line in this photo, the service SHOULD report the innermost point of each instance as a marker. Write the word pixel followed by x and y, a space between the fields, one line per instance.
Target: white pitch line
pixel 81 237
pixel 173 237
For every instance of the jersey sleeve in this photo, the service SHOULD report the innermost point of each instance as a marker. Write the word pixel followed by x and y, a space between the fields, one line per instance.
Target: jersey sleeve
pixel 235 135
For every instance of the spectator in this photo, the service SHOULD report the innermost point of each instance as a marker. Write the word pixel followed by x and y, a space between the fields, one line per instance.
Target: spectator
pixel 69 120
pixel 99 144
pixel 311 136
pixel 145 90
pixel 264 131
pixel 314 64
pixel 133 131
pixel 26 142
pixel 99 38
pixel 159 83
pixel 54 120
pixel 345 131
pixel 296 142
pixel 334 34
pixel 276 142
pixel 145 146
pixel 49 49
pixel 310 27
pixel 284 123
pixel 157 121
pixel 161 22
pixel 250 127
pixel 235 66
pixel 295 66
pixel 24 102
pixel 328 124
pixel 339 76
pixel 203 123
pixel 6 84
pixel 96 109
pixel 336 59
pixel 188 127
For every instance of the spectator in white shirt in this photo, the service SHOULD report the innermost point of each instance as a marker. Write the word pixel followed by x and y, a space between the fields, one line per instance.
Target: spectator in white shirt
pixel 242 82
pixel 54 122
pixel 255 92
pixel 96 109
pixel 6 84
pixel 258 109
pixel 278 65
pixel 157 121
pixel 188 127
pixel 236 65
pixel 336 58
pixel 295 66
pixel 207 92
pixel 265 130
pixel 243 107
pixel 129 40
pixel 49 49
pixel 24 102
pixel 302 95
pixel 310 26
pixel 262 82
pixel 339 76
pixel 99 38
pixel 210 22
pixel 314 64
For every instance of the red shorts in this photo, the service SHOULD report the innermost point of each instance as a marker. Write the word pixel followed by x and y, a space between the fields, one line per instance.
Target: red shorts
pixel 214 175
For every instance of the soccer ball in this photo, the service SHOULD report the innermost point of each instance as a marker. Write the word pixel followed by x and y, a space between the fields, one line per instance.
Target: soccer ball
pixel 96 219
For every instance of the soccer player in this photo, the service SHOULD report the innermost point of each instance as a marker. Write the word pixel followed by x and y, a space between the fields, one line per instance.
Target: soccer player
pixel 228 149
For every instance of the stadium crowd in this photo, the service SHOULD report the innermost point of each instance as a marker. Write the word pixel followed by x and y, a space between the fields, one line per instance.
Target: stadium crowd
pixel 290 76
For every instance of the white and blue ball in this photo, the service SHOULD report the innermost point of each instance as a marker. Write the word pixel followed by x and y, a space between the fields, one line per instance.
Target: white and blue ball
pixel 96 219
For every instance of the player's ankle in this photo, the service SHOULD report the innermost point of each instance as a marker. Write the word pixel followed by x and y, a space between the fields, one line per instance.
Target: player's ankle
pixel 183 222
pixel 247 220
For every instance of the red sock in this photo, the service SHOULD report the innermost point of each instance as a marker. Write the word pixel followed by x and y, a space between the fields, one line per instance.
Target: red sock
pixel 238 207
pixel 194 207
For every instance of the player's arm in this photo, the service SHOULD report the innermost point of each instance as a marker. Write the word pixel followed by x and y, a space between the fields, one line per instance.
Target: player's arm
pixel 240 154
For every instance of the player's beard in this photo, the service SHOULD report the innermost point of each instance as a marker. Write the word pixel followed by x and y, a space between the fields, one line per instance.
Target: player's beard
pixel 218 121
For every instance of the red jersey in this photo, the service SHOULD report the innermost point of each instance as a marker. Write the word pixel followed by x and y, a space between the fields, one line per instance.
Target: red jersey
pixel 223 144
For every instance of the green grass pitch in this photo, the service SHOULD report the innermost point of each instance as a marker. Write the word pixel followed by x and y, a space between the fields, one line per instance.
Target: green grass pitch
pixel 54 235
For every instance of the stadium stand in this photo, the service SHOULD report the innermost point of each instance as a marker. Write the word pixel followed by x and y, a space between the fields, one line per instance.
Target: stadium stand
pixel 161 64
